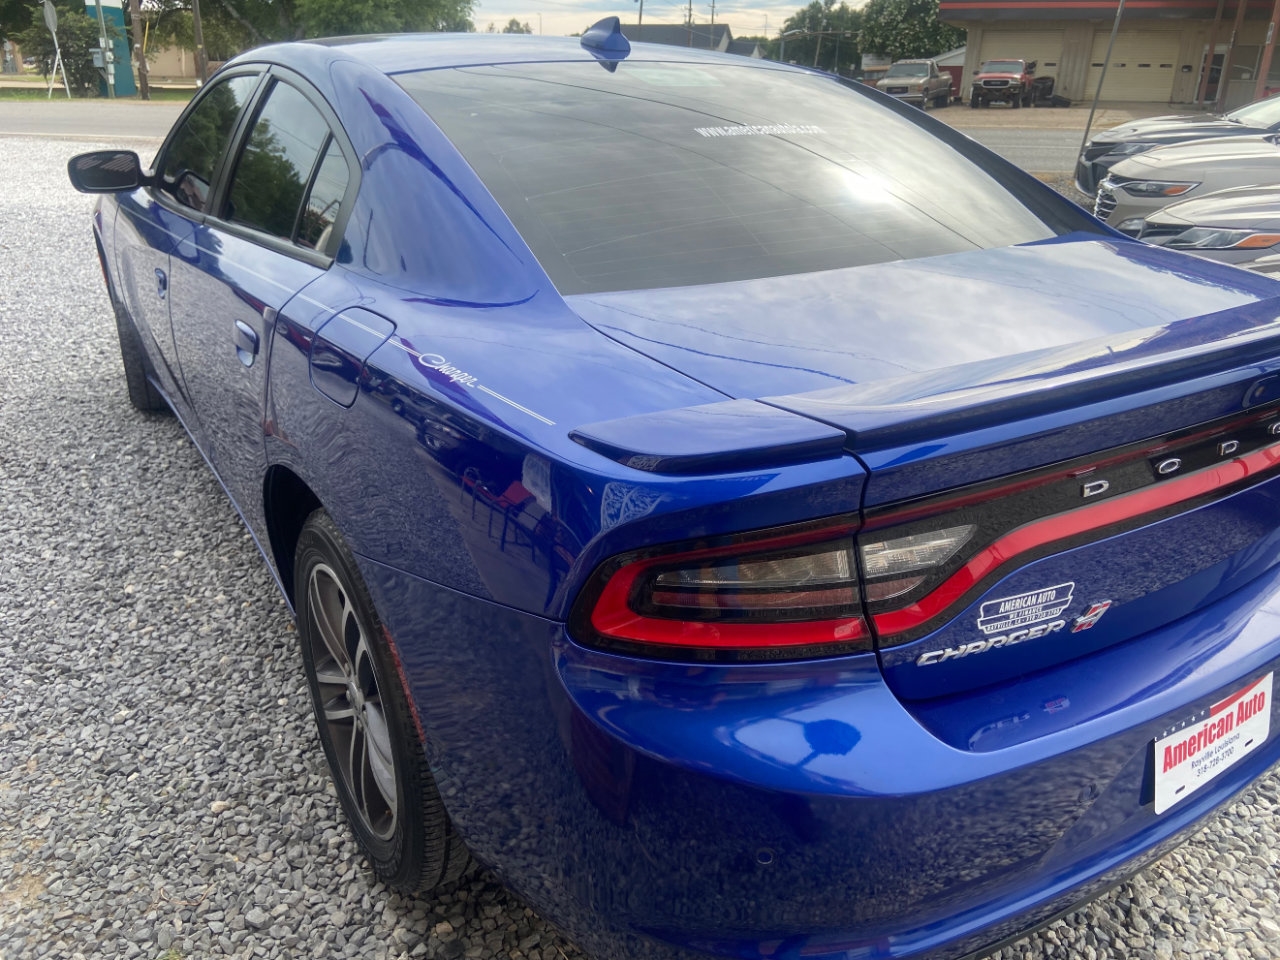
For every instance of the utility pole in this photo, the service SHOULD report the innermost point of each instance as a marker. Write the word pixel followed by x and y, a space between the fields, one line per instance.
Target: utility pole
pixel 106 52
pixel 640 22
pixel 135 15
pixel 1102 77
pixel 202 64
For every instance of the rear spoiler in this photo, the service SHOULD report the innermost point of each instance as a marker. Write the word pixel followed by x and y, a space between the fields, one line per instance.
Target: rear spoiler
pixel 712 438
pixel 942 403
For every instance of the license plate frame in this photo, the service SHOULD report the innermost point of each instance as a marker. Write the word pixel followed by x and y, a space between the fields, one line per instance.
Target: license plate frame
pixel 1202 749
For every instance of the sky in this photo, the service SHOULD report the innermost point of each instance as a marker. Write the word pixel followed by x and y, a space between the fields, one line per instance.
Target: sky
pixel 562 17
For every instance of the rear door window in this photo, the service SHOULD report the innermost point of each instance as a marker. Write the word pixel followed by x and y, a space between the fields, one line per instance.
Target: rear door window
pixel 327 191
pixel 276 166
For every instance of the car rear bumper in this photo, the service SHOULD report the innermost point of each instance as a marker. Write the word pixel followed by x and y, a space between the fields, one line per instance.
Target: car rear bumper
pixel 665 809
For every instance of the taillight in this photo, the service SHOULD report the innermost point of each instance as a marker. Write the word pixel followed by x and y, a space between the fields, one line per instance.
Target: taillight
pixel 820 589
pixel 925 561
pixel 786 593
pixel 886 563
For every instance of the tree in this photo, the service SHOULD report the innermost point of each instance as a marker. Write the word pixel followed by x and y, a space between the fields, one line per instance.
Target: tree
pixel 515 26
pixel 77 38
pixel 327 18
pixel 230 26
pixel 904 29
pixel 15 17
pixel 169 24
pixel 828 37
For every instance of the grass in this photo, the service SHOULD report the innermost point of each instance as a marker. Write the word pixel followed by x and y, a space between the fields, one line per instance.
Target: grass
pixel 39 92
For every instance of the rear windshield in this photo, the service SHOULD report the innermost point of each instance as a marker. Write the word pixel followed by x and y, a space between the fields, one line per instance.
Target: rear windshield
pixel 669 174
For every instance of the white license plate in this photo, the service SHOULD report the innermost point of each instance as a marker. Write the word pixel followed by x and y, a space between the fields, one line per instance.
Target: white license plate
pixel 1190 758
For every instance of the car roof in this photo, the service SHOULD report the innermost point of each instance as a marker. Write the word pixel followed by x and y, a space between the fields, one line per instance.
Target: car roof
pixel 403 53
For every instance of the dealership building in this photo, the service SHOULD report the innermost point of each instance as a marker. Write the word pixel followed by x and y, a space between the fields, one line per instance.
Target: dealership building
pixel 1159 53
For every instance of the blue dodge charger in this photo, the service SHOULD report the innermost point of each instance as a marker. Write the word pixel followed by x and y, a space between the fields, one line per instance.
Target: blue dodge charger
pixel 748 516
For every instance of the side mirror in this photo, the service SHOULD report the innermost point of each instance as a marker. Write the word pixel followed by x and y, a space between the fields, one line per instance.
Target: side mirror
pixel 106 171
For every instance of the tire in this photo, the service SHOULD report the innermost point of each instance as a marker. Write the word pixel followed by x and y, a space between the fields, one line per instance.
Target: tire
pixel 973 101
pixel 1016 102
pixel 142 393
pixel 365 723
pixel 924 104
pixel 942 100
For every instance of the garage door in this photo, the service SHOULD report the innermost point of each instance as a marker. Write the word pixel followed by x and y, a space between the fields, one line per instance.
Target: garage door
pixel 1143 65
pixel 1043 46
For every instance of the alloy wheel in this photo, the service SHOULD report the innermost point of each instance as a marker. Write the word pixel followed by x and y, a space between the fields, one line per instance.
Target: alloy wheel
pixel 351 698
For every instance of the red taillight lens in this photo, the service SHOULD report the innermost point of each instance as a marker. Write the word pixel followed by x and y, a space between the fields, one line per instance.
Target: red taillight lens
pixel 736 600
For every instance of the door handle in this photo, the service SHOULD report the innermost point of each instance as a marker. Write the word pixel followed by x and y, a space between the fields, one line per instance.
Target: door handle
pixel 246 339
pixel 162 283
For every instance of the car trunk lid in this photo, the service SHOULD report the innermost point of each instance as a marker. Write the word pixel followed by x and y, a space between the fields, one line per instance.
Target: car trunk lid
pixel 1042 407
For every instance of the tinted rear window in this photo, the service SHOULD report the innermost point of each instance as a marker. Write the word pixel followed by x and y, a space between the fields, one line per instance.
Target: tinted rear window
pixel 663 174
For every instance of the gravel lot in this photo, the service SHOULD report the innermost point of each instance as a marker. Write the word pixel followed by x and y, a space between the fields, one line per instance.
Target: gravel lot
pixel 162 792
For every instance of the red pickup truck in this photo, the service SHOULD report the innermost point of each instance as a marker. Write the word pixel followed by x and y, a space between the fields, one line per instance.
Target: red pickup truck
pixel 1004 81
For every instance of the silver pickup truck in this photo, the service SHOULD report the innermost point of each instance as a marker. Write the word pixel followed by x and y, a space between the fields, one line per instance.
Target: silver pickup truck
pixel 917 81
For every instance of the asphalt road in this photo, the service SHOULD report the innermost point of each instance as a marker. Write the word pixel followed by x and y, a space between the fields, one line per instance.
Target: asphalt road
pixel 1039 151
pixel 88 119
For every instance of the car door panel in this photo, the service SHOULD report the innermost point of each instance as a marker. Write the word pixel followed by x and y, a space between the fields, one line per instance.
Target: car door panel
pixel 225 293
pixel 153 220
pixel 273 214
pixel 144 243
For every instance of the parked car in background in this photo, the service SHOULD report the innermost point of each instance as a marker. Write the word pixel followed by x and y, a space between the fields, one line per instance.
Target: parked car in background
pixel 655 538
pixel 1003 81
pixel 1109 147
pixel 1239 226
pixel 917 81
pixel 1137 187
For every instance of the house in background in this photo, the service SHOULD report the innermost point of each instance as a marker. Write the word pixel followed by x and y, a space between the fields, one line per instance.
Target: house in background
pixel 171 63
pixel 1159 53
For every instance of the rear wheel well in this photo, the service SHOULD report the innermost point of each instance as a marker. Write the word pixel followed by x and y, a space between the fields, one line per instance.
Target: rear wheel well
pixel 287 502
